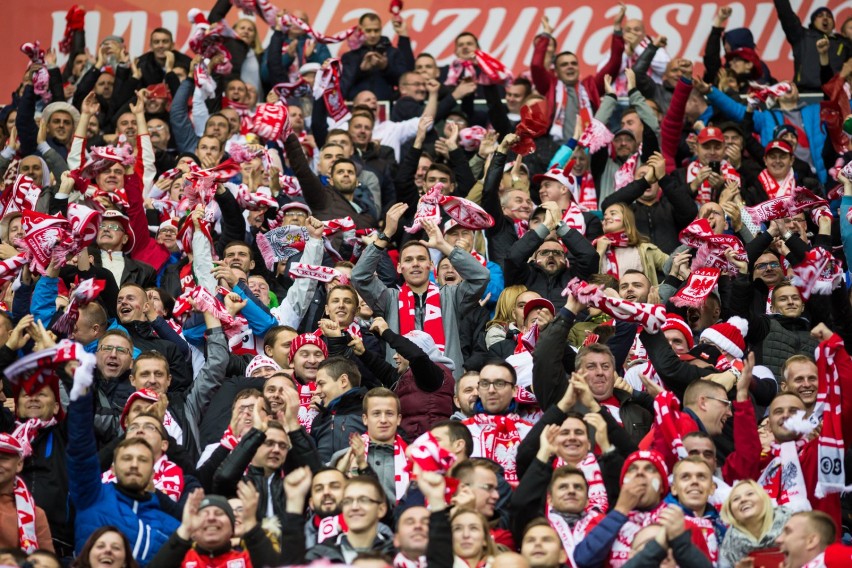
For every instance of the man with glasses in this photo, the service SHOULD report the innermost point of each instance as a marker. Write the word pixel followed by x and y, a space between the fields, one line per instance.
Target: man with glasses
pixel 363 506
pixel 112 386
pixel 558 253
pixel 115 236
pixel 496 428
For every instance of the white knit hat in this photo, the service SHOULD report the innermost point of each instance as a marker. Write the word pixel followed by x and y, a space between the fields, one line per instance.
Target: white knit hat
pixel 728 336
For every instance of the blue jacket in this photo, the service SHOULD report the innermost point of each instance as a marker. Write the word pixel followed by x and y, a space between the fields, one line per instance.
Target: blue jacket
pixel 765 122
pixel 97 504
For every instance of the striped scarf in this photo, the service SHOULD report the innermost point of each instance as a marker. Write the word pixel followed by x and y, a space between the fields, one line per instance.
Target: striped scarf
pixel 400 463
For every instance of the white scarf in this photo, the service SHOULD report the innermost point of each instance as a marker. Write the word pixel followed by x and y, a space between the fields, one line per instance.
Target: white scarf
pixel 570 537
pixel 560 100
pixel 402 561
pixel 783 479
pixel 594 478
pixel 400 463
pixel 818 562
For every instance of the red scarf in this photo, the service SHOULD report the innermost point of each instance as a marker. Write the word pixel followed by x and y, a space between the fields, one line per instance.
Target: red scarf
pixel 588 193
pixel 231 559
pixel 667 417
pixel 522 226
pixel 636 521
pixel 774 188
pixel 432 322
pixel 496 437
pixel 229 440
pixel 400 463
pixel 711 247
pixel 527 340
pixel 650 316
pixel 705 192
pixel 618 239
pixel 573 217
pixel 329 527
pixel 699 285
pixel 478 257
pixel 307 413
pixel 26 508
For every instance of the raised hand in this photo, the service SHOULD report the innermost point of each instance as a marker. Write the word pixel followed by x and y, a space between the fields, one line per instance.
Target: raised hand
pixel 393 216
pixel 315 227
pixel 247 493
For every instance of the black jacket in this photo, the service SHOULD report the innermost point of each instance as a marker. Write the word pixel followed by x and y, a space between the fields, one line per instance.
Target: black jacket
pixel 236 467
pixel 153 73
pixel 583 261
pixel 380 81
pixel 135 271
pixel 142 334
pixel 331 428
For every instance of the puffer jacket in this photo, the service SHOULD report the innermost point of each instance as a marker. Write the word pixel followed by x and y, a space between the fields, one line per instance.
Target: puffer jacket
pixel 141 518
pixel 331 428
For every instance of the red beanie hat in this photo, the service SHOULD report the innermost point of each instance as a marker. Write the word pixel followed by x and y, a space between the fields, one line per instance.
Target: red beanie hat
pixel 677 323
pixel 728 336
pixel 306 339
pixel 141 394
pixel 653 457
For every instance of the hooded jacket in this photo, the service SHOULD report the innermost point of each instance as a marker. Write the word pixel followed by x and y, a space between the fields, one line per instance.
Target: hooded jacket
pixel 336 421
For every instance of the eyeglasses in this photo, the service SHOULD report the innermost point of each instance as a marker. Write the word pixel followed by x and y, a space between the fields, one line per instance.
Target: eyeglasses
pixel 119 350
pixel 708 454
pixel 765 265
pixel 112 227
pixel 148 427
pixel 362 501
pixel 722 400
pixel 498 385
pixel 272 443
pixel 551 252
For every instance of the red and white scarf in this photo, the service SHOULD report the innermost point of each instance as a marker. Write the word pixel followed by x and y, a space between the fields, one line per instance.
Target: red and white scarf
pixel 774 188
pixel 307 413
pixel 595 136
pixel 573 217
pixel 23 194
pixel 616 240
pixel 272 122
pixel 522 226
pixel 497 437
pixel 591 469
pixel 570 537
pixel 333 226
pixel 818 562
pixel 168 477
pixel 26 432
pixel 759 93
pixel 587 193
pixel 11 267
pixel 560 101
pixel 711 247
pixel 321 273
pixel 466 213
pixel 492 70
pixel 831 443
pixel 667 418
pixel 700 284
pixel 327 88
pixel 788 489
pixel 627 172
pixel 329 527
pixel 85 293
pixel 527 340
pixel 650 316
pixel 288 20
pixel 353 329
pixel 26 509
pixel 433 324
pixel 705 192
pixel 402 561
pixel 229 440
pixel 636 521
pixel 818 273
pixel 400 463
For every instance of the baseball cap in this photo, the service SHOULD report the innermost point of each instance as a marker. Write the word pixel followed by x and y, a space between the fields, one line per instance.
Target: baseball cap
pixel 703 351
pixel 627 131
pixel 557 175
pixel 779 145
pixel 538 303
pixel 710 134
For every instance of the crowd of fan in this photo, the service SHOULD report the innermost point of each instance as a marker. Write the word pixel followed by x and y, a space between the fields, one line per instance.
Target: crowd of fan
pixel 246 324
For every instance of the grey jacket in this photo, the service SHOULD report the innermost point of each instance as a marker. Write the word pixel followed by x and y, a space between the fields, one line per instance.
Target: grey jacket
pixel 455 300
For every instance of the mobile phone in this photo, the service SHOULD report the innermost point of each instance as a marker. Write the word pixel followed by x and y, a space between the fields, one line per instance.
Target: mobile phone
pixel 716 167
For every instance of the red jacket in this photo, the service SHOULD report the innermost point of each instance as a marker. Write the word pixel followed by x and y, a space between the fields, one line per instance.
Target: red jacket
pixel 672 125
pixel 740 464
pixel 146 249
pixel 545 80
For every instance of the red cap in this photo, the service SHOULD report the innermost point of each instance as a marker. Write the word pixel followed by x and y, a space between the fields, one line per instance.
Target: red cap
pixel 141 394
pixel 710 134
pixel 535 303
pixel 307 339
pixel 779 145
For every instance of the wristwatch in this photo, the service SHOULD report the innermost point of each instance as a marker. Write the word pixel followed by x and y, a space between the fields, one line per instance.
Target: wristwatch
pixel 787 235
pixel 383 237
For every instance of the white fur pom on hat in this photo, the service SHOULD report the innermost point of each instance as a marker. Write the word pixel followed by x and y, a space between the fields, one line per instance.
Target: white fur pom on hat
pixel 728 336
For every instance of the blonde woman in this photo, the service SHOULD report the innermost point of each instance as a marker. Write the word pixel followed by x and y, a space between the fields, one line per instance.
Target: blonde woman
pixel 505 316
pixel 246 30
pixel 623 248
pixel 755 522
pixel 472 544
